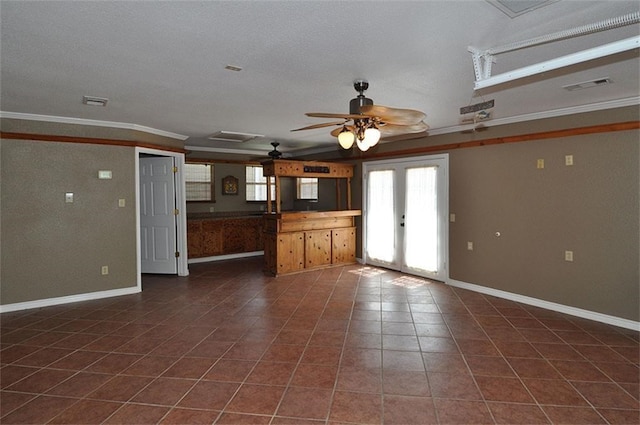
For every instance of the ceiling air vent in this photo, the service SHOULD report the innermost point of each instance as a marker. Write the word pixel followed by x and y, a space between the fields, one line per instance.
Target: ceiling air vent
pixel 588 84
pixel 233 136
pixel 94 101
pixel 513 8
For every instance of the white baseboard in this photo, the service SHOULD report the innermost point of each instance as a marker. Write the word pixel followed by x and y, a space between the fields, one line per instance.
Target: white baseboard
pixel 561 308
pixel 48 302
pixel 225 257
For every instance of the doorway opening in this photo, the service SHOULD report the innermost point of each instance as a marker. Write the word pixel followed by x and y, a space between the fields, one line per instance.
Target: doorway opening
pixel 160 213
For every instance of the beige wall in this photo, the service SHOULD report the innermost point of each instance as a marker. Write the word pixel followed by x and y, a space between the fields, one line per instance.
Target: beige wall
pixel 50 248
pixel 591 208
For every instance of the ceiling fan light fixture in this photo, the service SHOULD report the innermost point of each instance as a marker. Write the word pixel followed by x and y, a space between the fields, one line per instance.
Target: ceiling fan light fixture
pixel 362 145
pixel 372 135
pixel 346 138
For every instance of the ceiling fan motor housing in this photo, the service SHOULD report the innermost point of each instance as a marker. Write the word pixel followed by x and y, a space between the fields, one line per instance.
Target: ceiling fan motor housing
pixel 361 100
pixel 357 103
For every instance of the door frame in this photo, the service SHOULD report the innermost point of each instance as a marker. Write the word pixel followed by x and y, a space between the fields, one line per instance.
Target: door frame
pixel 443 193
pixel 181 204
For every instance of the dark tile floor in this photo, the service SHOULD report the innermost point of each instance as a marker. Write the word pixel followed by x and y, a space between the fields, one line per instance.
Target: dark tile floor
pixel 347 345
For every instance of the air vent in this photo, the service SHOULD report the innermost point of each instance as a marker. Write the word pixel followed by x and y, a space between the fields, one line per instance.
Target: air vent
pixel 233 136
pixel 94 101
pixel 588 84
pixel 513 8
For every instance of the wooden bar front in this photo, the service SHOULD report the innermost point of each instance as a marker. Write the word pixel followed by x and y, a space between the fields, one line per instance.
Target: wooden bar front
pixel 305 240
pixel 299 241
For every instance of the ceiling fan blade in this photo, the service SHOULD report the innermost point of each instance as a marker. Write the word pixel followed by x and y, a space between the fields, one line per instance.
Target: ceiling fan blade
pixel 394 129
pixel 324 124
pixel 329 115
pixel 393 115
pixel 337 131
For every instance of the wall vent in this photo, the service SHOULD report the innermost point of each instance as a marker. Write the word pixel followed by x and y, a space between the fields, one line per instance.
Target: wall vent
pixel 588 84
pixel 233 136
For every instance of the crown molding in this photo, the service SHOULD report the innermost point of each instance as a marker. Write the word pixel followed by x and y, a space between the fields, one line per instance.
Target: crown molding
pixel 96 123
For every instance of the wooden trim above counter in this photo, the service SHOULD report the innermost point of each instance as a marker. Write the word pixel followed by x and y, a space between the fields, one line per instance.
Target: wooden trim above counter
pixel 306 215
pixel 277 168
pixel 289 168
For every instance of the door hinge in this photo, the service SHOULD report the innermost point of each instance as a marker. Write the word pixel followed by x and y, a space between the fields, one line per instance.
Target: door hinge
pixel 176 211
pixel 177 254
pixel 175 169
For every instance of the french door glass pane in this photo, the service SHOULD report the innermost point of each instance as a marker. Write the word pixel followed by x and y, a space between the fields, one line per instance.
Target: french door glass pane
pixel 380 216
pixel 421 219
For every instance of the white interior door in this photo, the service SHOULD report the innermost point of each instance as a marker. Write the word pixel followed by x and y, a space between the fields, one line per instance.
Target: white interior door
pixel 405 215
pixel 157 216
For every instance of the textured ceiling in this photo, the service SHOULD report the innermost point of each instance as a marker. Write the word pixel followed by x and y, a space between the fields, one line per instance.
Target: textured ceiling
pixel 162 64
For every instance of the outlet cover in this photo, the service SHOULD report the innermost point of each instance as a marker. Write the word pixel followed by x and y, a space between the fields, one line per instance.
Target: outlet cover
pixel 568 160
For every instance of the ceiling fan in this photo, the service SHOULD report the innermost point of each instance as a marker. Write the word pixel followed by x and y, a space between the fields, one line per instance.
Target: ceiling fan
pixel 366 123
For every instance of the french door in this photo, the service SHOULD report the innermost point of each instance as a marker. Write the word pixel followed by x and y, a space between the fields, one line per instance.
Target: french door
pixel 405 215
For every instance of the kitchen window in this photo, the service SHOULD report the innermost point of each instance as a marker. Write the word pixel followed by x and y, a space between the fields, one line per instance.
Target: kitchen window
pixel 307 188
pixel 256 184
pixel 199 178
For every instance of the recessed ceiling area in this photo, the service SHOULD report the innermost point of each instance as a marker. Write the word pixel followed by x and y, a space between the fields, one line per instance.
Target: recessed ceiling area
pixel 515 8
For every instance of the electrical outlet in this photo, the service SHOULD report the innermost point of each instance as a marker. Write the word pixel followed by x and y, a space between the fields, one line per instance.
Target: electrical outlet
pixel 568 160
pixel 104 270
pixel 68 197
pixel 540 164
pixel 452 218
pixel 568 256
pixel 121 202
pixel 470 246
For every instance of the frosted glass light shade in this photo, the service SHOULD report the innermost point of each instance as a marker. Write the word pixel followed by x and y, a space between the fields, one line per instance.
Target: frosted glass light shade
pixel 346 139
pixel 362 145
pixel 371 136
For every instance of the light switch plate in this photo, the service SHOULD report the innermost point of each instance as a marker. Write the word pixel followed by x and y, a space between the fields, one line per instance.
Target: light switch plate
pixel 104 174
pixel 68 197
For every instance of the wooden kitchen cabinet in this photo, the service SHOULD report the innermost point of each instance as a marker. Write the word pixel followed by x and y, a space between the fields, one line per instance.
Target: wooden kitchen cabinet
pixel 298 241
pixel 209 237
pixel 284 252
pixel 317 248
pixel 343 245
pixel 212 238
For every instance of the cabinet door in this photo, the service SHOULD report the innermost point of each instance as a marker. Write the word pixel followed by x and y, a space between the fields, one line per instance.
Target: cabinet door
pixel 290 252
pixel 194 238
pixel 343 243
pixel 317 248
pixel 212 240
